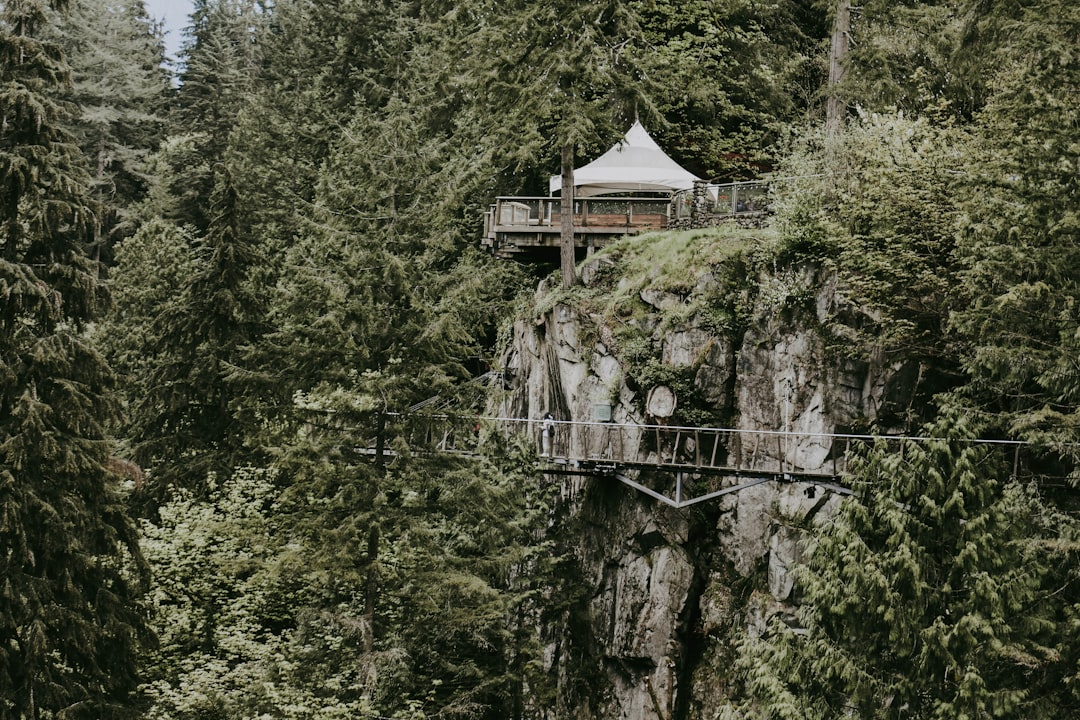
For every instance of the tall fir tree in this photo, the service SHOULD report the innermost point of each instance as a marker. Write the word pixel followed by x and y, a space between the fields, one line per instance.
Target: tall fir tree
pixel 119 81
pixel 221 63
pixel 67 602
pixel 1020 279
pixel 928 596
pixel 183 423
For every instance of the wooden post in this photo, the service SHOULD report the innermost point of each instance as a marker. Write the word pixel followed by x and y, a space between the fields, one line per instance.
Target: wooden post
pixel 371 591
pixel 567 260
pixel 834 108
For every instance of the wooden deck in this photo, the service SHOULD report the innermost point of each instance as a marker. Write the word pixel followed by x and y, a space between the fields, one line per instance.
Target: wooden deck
pixel 529 227
pixel 518 226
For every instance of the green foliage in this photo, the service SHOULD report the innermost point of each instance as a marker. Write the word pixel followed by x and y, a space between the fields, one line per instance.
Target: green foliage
pixel 342 594
pixel 893 187
pixel 119 83
pixel 559 70
pixel 190 322
pixel 232 605
pixel 1019 292
pixel 70 561
pixel 930 595
pixel 736 73
pixel 904 57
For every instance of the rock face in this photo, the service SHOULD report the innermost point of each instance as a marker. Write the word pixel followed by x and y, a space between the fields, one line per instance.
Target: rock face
pixel 663 589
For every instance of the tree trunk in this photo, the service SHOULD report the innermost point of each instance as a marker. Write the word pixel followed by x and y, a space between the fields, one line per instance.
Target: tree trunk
pixel 834 108
pixel 371 592
pixel 566 217
pixel 380 443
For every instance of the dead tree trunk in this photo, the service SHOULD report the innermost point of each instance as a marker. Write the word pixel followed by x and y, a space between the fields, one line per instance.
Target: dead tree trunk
pixel 567 261
pixel 835 107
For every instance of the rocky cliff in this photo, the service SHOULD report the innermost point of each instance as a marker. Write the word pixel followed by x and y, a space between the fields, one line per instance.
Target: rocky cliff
pixel 660 594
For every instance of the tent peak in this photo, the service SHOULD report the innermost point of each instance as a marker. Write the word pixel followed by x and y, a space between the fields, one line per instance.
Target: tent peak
pixel 634 164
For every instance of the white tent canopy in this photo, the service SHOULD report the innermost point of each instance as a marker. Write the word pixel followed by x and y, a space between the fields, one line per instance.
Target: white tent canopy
pixel 634 164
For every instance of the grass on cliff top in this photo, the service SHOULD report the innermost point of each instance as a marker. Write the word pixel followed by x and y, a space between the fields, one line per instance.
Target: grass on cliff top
pixel 673 260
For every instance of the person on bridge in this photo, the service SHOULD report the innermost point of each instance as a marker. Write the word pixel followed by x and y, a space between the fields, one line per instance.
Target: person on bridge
pixel 547 433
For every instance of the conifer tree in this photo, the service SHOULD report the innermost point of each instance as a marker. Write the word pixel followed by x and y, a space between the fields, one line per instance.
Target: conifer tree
pixel 67 615
pixel 928 596
pixel 183 421
pixel 1021 263
pixel 566 76
pixel 221 65
pixel 116 56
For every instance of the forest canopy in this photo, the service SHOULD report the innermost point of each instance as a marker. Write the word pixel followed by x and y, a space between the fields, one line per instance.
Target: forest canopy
pixel 214 282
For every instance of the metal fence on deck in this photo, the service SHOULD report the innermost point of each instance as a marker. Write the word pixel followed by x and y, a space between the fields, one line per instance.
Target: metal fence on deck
pixel 750 197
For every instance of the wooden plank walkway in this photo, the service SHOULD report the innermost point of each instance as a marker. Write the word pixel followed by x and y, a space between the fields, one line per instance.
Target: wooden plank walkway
pixel 705 462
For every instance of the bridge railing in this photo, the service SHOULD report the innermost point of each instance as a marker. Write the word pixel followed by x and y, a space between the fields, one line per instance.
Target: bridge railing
pixel 724 450
pixel 676 447
pixel 696 448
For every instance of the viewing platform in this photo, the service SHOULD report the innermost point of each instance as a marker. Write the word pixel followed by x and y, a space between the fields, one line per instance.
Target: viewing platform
pixel 632 188
pixel 530 227
pixel 516 226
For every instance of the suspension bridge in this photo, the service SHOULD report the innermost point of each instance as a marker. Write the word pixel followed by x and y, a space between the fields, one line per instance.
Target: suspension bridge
pixel 702 463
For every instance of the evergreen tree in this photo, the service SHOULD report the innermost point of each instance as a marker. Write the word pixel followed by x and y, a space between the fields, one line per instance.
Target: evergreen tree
pixel 1020 286
pixel 67 614
pixel 928 596
pixel 221 59
pixel 567 76
pixel 116 56
pixel 183 421
pixel 221 66
pixel 280 138
pixel 149 268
